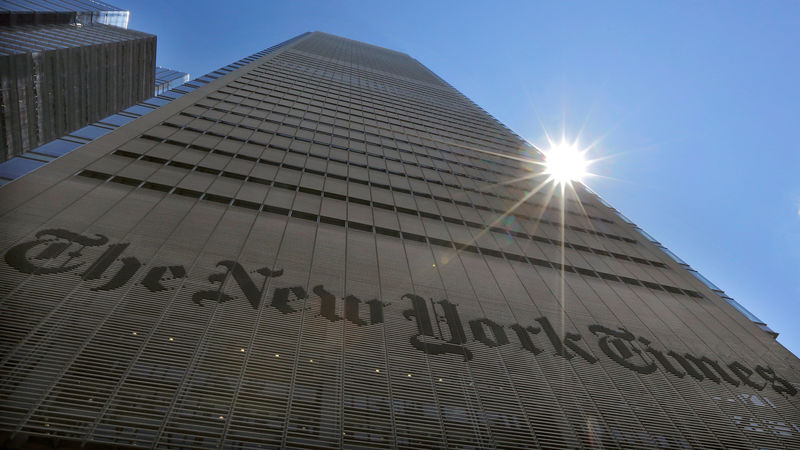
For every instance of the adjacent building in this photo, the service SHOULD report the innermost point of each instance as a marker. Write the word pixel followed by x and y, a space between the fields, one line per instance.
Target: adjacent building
pixel 50 12
pixel 64 65
pixel 167 79
pixel 330 246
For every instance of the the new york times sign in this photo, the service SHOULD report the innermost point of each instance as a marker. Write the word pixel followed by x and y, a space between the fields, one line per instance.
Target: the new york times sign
pixel 60 251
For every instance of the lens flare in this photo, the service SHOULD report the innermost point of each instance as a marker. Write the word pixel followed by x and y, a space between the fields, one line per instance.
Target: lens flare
pixel 564 163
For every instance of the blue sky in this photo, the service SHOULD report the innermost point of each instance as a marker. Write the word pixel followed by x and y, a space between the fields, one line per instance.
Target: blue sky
pixel 696 101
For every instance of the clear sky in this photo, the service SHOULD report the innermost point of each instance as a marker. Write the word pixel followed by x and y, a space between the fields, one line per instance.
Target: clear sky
pixel 697 102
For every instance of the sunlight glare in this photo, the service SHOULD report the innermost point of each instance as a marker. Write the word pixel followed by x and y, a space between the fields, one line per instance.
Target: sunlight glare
pixel 564 162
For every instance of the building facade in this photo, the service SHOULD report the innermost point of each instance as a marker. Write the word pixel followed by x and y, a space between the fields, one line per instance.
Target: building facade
pixel 51 12
pixel 330 246
pixel 62 69
pixel 31 160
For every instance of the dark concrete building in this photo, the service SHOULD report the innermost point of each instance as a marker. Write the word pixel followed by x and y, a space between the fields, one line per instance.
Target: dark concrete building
pixel 61 70
pixel 330 246
pixel 49 12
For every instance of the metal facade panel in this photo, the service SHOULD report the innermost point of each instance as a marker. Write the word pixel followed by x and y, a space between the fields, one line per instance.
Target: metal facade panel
pixel 319 250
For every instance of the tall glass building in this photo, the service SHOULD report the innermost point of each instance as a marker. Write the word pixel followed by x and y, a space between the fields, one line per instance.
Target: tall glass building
pixel 330 246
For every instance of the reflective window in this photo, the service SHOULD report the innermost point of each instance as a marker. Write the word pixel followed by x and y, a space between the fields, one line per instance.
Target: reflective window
pixel 172 94
pixel 38 157
pixel 705 280
pixel 644 233
pixel 156 101
pixel 117 119
pixel 673 256
pixel 57 148
pixel 90 132
pixel 743 310
pixel 139 109
pixel 17 167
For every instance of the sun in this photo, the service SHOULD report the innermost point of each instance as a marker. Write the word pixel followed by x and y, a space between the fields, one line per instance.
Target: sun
pixel 565 163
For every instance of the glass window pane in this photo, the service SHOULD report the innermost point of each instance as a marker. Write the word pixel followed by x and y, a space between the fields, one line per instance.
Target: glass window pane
pixel 117 120
pixel 17 167
pixel 90 132
pixel 157 101
pixel 57 148
pixel 139 109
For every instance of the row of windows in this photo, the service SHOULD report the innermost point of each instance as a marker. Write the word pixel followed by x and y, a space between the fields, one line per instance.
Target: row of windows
pixel 328 120
pixel 453 103
pixel 357 141
pixel 393 113
pixel 438 100
pixel 460 246
pixel 351 154
pixel 355 75
pixel 394 199
pixel 479 158
pixel 265 155
pixel 392 63
pixel 243 173
pixel 387 108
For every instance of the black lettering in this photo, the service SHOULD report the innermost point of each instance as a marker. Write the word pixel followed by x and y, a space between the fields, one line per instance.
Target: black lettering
pixel 129 267
pixel 280 299
pixel 525 338
pixel 17 256
pixel 705 365
pixel 478 331
pixel 246 283
pixel 101 264
pixel 780 385
pixel 375 311
pixel 419 311
pixel 215 295
pixel 327 307
pixel 569 340
pixel 744 374
pixel 152 281
pixel 457 335
pixel 242 279
pixel 690 369
pixel 662 359
pixel 54 250
pixel 351 313
pixel 619 346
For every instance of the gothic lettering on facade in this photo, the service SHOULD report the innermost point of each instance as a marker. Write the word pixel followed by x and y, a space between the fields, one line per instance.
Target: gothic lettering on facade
pixel 157 276
pixel 568 341
pixel 439 327
pixel 433 341
pixel 51 245
pixel 621 346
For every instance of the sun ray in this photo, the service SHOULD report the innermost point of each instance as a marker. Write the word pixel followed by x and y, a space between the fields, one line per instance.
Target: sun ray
pixel 489 152
pixel 515 180
pixel 505 214
pixel 599 242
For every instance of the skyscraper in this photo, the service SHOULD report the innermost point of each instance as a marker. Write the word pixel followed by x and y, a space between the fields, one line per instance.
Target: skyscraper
pixel 64 65
pixel 331 246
